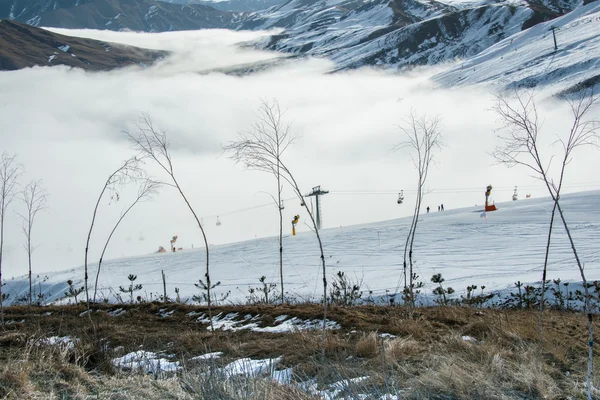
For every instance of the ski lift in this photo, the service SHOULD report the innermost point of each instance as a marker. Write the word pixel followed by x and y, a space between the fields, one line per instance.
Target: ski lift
pixel 401 197
pixel 515 195
pixel 218 221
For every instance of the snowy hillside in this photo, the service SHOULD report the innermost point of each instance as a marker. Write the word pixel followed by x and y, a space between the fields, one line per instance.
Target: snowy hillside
pixel 460 244
pixel 528 58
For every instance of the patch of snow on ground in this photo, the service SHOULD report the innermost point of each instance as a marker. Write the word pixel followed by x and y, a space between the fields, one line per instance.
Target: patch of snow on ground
pixel 63 341
pixel 146 361
pixel 230 322
pixel 64 48
pixel 283 377
pixel 251 368
pixel 117 312
pixel 208 356
pixel 163 313
pixel 52 57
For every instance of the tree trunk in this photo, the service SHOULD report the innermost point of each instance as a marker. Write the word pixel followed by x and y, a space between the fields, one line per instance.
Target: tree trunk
pixel 164 286
pixel 1 247
pixel 207 274
pixel 540 327
pixel 280 236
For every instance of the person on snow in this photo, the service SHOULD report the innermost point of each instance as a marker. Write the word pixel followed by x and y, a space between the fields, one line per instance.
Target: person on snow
pixel 427 209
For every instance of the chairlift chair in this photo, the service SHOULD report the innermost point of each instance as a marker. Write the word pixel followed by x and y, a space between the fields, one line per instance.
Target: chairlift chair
pixel 401 197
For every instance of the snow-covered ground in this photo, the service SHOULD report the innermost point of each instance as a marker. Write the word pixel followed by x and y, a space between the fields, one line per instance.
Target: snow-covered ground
pixel 463 246
pixel 528 58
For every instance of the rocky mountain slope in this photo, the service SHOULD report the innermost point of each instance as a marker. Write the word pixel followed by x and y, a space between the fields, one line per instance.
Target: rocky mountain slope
pixel 233 5
pixel 24 46
pixel 136 15
pixel 529 58
pixel 399 33
pixel 394 34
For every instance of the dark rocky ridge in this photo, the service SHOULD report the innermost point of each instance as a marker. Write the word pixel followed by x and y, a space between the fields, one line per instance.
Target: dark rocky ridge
pixel 23 46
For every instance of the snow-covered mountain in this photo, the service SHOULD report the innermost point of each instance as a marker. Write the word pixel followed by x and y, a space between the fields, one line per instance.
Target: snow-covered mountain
pixel 136 15
pixel 529 59
pixel 351 32
pixel 506 43
pixel 233 5
pixel 505 247
pixel 398 33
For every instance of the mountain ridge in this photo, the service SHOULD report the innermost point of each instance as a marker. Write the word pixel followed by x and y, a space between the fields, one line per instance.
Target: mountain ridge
pixel 23 46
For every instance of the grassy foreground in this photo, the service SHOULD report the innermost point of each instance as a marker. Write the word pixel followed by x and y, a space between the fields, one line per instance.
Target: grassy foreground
pixel 439 353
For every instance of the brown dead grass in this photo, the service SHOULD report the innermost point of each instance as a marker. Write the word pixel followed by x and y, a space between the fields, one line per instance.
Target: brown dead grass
pixel 429 355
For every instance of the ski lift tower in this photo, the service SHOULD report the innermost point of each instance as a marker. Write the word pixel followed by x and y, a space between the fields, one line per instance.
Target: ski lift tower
pixel 316 191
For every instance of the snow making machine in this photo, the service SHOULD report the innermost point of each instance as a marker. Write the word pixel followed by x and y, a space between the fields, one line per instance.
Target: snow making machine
pixel 488 192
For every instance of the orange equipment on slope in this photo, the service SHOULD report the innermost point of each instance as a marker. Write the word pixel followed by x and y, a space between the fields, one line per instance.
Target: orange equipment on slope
pixel 487 195
pixel 294 222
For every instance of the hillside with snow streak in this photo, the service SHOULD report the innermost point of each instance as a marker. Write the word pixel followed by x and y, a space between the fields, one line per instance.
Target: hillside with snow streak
pixel 466 248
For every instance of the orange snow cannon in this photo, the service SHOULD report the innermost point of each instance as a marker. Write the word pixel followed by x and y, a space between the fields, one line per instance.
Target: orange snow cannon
pixel 489 207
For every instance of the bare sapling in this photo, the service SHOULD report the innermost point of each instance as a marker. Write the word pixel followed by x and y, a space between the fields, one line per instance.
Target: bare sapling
pixel 521 146
pixel 35 199
pixel 261 149
pixel 422 138
pixel 152 143
pixel 146 190
pixel 130 170
pixel 10 171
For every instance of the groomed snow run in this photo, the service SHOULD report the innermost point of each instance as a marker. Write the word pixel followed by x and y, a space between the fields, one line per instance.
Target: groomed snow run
pixel 464 247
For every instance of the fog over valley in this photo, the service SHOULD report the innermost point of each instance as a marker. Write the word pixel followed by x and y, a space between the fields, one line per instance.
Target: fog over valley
pixel 67 128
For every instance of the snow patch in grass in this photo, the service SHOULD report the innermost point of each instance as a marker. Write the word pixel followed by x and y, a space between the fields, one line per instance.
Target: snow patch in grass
pixel 251 368
pixel 163 313
pixel 231 322
pixel 208 356
pixel 63 341
pixel 146 361
pixel 117 312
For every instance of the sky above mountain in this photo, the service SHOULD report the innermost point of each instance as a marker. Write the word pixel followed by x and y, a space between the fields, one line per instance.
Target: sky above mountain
pixel 67 125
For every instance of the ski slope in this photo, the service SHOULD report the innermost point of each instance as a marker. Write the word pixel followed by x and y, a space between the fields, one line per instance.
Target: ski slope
pixel 463 246
pixel 528 58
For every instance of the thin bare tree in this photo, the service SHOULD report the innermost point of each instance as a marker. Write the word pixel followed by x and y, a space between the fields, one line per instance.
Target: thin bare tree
pixel 521 146
pixel 288 177
pixel 146 190
pixel 422 137
pixel 152 143
pixel 10 171
pixel 261 149
pixel 129 171
pixel 35 198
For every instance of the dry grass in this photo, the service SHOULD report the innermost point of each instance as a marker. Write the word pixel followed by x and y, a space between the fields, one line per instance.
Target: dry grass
pixel 428 359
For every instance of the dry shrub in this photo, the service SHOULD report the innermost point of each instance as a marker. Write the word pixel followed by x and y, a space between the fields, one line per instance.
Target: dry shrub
pixel 335 344
pixel 399 348
pixel 13 380
pixel 13 339
pixel 464 370
pixel 367 346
